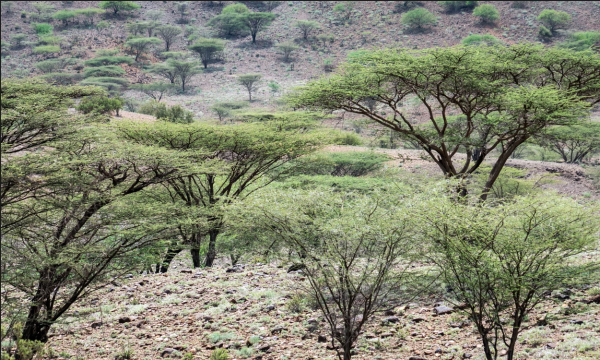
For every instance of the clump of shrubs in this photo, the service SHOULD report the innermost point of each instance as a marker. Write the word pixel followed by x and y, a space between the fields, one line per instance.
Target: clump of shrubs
pixel 175 113
pixel 100 105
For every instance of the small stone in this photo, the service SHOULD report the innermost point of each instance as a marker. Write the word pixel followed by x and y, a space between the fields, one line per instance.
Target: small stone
pixel 386 335
pixel 416 358
pixel 321 339
pixel 277 330
pixel 550 346
pixel 264 347
pixel 129 276
pixel 389 313
pixel 312 321
pixel 503 352
pixel 270 308
pixel 438 351
pixel 467 356
pixel 124 319
pixel 96 324
pixel 576 322
pixel 186 271
pixel 427 352
pixel 167 351
pixel 391 319
pixel 167 291
pixel 441 310
pixel 418 319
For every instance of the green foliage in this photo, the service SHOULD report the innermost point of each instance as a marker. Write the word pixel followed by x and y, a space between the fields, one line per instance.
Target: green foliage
pixel 250 82
pixel 501 258
pixel 108 60
pixel 141 45
pixel 50 40
pixel 554 19
pixel 477 39
pixel 487 13
pixel 18 40
pixel 104 71
pixel 208 49
pixel 53 65
pixel 61 78
pixel 453 6
pixel 342 164
pixel 572 143
pixel 307 27
pixel 111 84
pixel 175 114
pixel 64 16
pixel 219 354
pixel 347 138
pixel 418 18
pixel 257 21
pixel 44 12
pixel 544 32
pixel 583 40
pixel 100 105
pixel 168 33
pixel 286 48
pixel 43 28
pixel 156 90
pixel 230 22
pixel 219 336
pixel 224 109
pixel 237 8
pixel 344 10
pixel 382 78
pixel 117 6
pixel 46 49
pixel 89 13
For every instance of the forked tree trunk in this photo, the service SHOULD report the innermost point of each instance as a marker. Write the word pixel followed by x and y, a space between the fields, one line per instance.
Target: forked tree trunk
pixel 171 253
pixel 211 254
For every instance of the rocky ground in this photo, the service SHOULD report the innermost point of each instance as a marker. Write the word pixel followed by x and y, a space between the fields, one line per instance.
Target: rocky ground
pixel 253 311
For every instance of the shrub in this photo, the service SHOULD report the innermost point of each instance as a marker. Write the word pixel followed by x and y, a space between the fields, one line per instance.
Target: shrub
pixel 64 16
pixel 49 40
pixel 544 32
pixel 418 18
pixel 61 78
pixel 453 6
pixel 554 19
pixel 519 4
pixel 108 60
pixel 46 49
pixel 104 71
pixel 583 40
pixel 18 40
pixel 219 354
pixel 286 48
pixel 476 39
pixel 342 164
pixel 175 114
pixel 307 27
pixel 52 65
pixel 100 105
pixel 209 50
pixel 487 13
pixel 43 28
pixel 347 138
pixel 117 6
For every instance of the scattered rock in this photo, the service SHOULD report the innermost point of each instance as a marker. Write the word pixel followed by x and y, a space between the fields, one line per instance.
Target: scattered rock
pixel 594 299
pixel 167 351
pixel 416 358
pixel 386 335
pixel 96 324
pixel 321 339
pixel 186 271
pixel 167 291
pixel 264 348
pixel 439 351
pixel 503 352
pixel 129 276
pixel 550 345
pixel 269 308
pixel 467 356
pixel 277 330
pixel 312 321
pixel 418 319
pixel 389 313
pixel 441 310
pixel 391 320
pixel 124 319
pixel 576 322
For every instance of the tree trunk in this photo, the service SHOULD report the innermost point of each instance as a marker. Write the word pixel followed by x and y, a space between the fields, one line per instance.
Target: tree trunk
pixel 195 250
pixel 212 251
pixel 249 96
pixel 171 253
pixel 497 169
pixel 253 37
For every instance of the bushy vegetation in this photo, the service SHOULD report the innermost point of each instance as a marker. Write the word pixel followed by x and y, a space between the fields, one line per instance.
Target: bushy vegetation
pixel 554 19
pixel 487 13
pixel 476 39
pixel 100 105
pixel 418 18
pixel 175 113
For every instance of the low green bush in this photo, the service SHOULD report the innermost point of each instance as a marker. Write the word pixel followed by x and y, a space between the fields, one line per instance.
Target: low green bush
pixel 46 49
pixel 100 105
pixel 175 113
pixel 43 28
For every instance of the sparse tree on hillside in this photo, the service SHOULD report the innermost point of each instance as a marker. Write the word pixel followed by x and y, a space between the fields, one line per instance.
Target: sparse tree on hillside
pixel 503 260
pixel 418 18
pixel 250 82
pixel 487 13
pixel 230 21
pixel 270 5
pixel 137 27
pixel 141 45
pixel 554 20
pixel 164 70
pixel 44 11
pixel 168 33
pixel 156 90
pixel 208 50
pixel 453 6
pixel 184 71
pixel 155 15
pixel 17 40
pixel 287 48
pixel 64 16
pixel 307 27
pixel 572 143
pixel 257 21
pixel 555 87
pixel 117 6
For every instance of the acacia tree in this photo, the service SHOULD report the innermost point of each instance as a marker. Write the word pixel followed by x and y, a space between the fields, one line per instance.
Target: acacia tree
pixel 141 45
pixel 307 27
pixel 250 82
pixel 572 143
pixel 155 91
pixel 287 48
pixel 87 226
pixel 504 96
pixel 208 49
pixel 168 33
pixel 355 251
pixel 502 260
pixel 117 6
pixel 184 70
pixel 248 153
pixel 257 21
